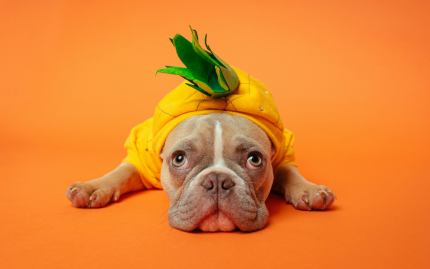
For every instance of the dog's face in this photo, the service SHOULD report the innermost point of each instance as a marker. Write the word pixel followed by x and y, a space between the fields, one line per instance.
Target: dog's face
pixel 217 173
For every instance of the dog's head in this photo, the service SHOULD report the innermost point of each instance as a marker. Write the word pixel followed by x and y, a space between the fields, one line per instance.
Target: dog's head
pixel 217 173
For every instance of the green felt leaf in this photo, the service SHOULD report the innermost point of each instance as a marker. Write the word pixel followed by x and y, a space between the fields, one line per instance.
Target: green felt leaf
pixel 199 67
pixel 189 80
pixel 177 71
pixel 200 51
pixel 211 53
pixel 231 78
pixel 204 86
pixel 229 74
pixel 205 71
pixel 214 84
pixel 221 79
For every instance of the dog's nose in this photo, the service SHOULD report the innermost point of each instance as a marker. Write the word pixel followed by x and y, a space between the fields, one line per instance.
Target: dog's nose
pixel 217 182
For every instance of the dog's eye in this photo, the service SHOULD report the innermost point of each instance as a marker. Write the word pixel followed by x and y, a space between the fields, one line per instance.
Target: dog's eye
pixel 180 161
pixel 254 162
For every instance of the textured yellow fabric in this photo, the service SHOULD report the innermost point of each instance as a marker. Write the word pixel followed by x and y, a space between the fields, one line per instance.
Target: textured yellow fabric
pixel 250 100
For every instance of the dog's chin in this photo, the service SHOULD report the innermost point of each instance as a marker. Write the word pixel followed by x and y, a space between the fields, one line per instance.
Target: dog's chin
pixel 218 221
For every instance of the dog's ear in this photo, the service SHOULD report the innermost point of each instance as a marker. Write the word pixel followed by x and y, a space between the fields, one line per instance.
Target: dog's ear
pixel 162 153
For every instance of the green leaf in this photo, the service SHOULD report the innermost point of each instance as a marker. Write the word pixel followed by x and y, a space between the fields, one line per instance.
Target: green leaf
pixel 229 74
pixel 211 54
pixel 221 79
pixel 214 84
pixel 177 71
pixel 198 66
pixel 200 51
pixel 205 71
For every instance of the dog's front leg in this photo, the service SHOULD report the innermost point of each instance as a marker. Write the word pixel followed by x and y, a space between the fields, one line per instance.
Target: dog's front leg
pixel 99 192
pixel 303 194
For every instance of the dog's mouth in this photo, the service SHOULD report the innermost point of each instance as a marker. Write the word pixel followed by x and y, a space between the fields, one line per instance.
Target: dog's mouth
pixel 217 207
pixel 224 215
pixel 217 221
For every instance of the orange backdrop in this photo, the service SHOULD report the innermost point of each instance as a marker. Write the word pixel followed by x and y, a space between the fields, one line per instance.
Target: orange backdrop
pixel 351 80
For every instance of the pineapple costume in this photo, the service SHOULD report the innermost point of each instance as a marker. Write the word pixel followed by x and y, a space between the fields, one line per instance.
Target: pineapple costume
pixel 213 87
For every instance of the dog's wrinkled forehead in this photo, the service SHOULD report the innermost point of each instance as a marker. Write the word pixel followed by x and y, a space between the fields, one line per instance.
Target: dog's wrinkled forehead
pixel 217 140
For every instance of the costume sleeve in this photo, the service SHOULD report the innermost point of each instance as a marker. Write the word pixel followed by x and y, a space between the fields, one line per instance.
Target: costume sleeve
pixel 144 159
pixel 289 158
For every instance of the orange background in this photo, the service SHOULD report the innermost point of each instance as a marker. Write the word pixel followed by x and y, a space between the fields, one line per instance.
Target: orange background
pixel 351 80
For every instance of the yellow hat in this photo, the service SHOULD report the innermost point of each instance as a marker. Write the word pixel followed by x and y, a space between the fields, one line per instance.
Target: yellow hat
pixel 251 100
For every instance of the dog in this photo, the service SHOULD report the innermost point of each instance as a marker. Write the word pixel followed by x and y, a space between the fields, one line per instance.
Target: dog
pixel 217 154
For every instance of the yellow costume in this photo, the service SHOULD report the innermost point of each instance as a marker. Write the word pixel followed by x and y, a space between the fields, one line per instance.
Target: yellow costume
pixel 250 99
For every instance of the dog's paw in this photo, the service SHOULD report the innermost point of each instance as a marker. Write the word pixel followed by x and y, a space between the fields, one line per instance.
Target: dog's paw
pixel 90 195
pixel 311 197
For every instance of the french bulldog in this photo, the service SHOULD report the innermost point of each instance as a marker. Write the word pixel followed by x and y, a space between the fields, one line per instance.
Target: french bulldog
pixel 217 173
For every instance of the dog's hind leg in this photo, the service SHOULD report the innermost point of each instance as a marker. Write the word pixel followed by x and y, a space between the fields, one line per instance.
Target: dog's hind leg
pixel 99 192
